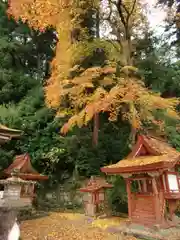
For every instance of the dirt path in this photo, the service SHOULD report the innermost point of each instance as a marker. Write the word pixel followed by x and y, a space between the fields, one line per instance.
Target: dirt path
pixel 59 226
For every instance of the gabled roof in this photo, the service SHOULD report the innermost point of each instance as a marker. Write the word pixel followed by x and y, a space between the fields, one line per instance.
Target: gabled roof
pixel 6 134
pixel 95 184
pixel 148 154
pixel 26 171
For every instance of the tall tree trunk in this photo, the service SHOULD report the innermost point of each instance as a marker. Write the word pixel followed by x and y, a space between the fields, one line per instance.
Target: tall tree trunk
pixel 97 25
pixel 62 62
pixel 133 136
pixel 95 129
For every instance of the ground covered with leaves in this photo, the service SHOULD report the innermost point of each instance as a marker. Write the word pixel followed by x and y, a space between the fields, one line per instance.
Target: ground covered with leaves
pixel 66 227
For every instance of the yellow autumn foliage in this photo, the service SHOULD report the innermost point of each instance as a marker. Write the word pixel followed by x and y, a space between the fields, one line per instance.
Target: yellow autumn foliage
pixel 130 100
pixel 88 93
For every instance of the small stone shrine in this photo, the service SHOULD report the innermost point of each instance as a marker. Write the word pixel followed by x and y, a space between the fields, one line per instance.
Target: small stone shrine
pixel 17 190
pixel 26 172
pixel 13 196
pixel 12 200
pixel 95 199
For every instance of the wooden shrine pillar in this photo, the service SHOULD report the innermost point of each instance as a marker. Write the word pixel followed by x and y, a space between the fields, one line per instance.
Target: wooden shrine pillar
pixel 173 203
pixel 156 201
pixel 129 195
pixel 107 210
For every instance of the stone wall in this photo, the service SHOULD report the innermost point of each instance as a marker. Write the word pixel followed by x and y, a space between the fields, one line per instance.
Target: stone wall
pixel 64 197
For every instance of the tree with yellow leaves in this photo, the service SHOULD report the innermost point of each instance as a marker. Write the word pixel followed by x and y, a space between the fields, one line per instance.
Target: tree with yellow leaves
pixel 83 93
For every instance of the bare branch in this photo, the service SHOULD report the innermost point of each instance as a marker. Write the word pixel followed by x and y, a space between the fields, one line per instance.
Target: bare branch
pixel 113 2
pixel 129 13
pixel 119 5
pixel 125 8
pixel 134 4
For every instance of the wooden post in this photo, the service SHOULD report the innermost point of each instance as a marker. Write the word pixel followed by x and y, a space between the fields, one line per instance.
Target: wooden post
pixel 164 183
pixel 167 182
pixel 156 201
pixel 139 185
pixel 154 186
pixel 128 188
pixel 106 205
pixel 172 208
pixel 144 185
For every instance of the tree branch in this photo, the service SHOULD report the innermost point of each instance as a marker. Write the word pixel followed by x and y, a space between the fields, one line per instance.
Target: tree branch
pixel 125 8
pixel 129 13
pixel 119 5
pixel 134 4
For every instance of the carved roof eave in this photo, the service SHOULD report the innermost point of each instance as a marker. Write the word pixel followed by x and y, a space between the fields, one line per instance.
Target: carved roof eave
pixel 4 129
pixel 92 190
pixel 6 134
pixel 32 177
pixel 150 174
pixel 140 169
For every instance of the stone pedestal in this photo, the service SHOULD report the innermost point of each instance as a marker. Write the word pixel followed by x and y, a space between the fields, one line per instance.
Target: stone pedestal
pixel 8 217
pixel 90 210
pixel 11 202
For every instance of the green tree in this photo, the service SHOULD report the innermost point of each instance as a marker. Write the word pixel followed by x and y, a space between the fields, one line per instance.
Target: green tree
pixel 24 55
pixel 160 73
pixel 172 8
pixel 136 107
pixel 90 77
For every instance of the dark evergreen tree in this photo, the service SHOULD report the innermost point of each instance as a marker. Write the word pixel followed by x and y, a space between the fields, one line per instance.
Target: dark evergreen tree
pixel 24 57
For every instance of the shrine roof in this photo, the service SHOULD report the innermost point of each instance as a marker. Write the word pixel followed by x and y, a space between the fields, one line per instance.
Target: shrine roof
pixel 95 184
pixel 7 134
pixel 26 171
pixel 158 145
pixel 159 155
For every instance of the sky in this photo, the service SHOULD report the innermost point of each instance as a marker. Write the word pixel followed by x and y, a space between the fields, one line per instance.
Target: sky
pixel 155 15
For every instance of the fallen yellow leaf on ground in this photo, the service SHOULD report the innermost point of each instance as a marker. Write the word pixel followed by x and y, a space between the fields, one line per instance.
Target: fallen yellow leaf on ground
pixel 67 226
pixel 108 222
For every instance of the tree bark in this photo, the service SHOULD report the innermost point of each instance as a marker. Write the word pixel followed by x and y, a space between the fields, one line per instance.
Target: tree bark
pixel 95 129
pixel 97 25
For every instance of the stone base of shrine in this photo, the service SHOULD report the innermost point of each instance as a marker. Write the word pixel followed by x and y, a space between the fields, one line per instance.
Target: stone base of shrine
pixel 166 231
pixel 168 224
pixel 14 203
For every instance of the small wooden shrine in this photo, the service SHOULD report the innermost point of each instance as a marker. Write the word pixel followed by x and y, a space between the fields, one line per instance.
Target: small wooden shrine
pixel 26 171
pixel 6 134
pixel 152 180
pixel 95 200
